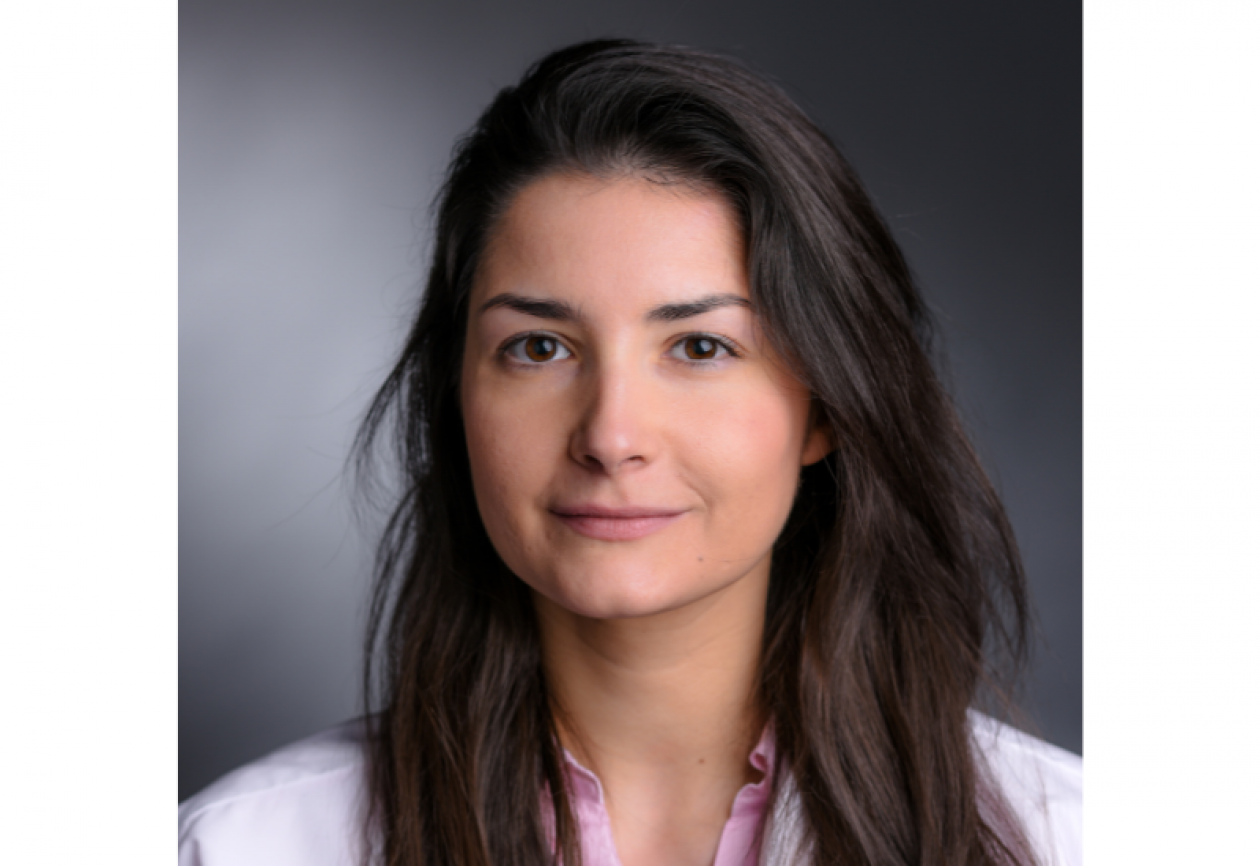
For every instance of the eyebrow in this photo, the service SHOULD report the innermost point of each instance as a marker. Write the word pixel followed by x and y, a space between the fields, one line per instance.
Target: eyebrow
pixel 555 310
pixel 674 312
pixel 562 311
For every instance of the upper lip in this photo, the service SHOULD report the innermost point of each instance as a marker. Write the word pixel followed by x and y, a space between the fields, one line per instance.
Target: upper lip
pixel 610 513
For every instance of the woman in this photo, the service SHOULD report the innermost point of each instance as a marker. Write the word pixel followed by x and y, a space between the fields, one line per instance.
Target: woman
pixel 693 562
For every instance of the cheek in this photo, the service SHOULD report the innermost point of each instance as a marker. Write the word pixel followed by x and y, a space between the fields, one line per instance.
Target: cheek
pixel 751 448
pixel 507 439
pixel 492 455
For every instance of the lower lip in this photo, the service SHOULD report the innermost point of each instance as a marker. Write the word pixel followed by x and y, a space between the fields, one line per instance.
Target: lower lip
pixel 617 528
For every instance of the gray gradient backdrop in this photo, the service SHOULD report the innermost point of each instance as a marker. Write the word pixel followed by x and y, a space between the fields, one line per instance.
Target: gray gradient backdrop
pixel 312 138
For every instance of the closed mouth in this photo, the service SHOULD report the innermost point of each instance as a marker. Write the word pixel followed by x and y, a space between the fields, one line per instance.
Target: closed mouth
pixel 615 524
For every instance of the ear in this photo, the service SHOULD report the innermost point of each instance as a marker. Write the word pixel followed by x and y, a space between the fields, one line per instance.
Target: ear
pixel 819 442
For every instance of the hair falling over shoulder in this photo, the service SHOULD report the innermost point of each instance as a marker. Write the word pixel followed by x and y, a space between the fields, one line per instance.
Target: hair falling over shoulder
pixel 894 584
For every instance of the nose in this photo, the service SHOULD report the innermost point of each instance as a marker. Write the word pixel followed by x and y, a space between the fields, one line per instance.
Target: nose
pixel 615 430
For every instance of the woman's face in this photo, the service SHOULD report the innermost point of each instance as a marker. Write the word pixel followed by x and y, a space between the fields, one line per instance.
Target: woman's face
pixel 634 445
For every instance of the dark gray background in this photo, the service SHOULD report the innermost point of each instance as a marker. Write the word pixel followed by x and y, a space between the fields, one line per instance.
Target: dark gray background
pixel 312 138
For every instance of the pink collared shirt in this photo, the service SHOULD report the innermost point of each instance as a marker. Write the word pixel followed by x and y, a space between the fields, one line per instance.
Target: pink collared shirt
pixel 303 805
pixel 737 845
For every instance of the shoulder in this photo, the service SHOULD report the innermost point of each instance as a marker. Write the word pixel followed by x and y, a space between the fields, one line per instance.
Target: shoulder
pixel 1042 783
pixel 302 804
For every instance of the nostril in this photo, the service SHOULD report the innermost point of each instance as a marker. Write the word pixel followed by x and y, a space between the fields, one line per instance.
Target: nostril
pixel 595 464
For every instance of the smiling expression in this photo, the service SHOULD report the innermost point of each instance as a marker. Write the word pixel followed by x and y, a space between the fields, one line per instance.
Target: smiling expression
pixel 635 446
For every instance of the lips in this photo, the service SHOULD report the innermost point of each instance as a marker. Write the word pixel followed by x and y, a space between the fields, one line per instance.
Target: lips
pixel 615 524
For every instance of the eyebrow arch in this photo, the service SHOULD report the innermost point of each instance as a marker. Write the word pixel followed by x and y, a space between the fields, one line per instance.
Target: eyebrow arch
pixel 687 309
pixel 559 311
pixel 562 311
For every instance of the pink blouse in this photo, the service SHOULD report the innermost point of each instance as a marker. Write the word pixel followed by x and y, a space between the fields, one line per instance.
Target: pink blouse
pixel 303 805
pixel 737 845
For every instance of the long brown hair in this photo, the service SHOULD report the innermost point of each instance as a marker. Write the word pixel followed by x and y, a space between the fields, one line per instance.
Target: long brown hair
pixel 894 582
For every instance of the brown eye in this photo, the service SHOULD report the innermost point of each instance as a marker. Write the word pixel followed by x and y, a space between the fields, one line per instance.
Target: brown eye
pixel 536 349
pixel 700 348
pixel 540 348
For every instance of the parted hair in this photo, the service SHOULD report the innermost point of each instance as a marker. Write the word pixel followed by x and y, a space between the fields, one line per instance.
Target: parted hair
pixel 896 591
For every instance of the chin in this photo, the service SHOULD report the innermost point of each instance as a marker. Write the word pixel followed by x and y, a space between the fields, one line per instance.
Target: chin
pixel 622 596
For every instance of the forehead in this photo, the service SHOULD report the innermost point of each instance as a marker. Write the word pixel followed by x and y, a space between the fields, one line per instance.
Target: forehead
pixel 626 240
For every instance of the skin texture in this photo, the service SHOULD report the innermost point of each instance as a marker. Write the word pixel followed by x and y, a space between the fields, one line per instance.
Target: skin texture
pixel 587 390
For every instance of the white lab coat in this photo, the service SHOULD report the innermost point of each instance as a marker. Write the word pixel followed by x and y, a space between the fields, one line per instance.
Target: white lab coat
pixel 302 805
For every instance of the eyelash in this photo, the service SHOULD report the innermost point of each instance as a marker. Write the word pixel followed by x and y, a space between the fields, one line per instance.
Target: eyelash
pixel 519 340
pixel 725 344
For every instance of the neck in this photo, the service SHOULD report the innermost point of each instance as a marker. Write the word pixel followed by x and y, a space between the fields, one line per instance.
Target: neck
pixel 669 695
